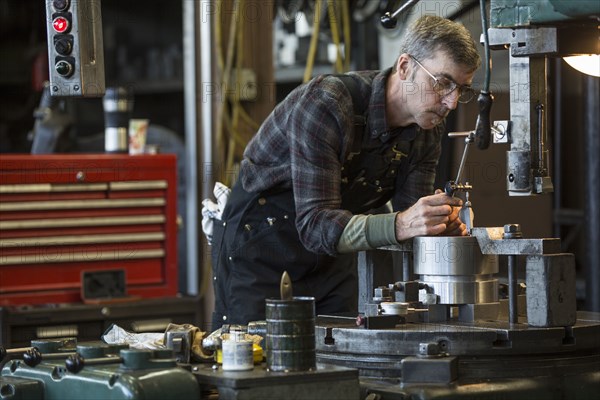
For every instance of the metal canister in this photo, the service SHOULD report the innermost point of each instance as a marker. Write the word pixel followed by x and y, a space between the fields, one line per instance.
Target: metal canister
pixel 237 355
pixel 290 339
pixel 118 105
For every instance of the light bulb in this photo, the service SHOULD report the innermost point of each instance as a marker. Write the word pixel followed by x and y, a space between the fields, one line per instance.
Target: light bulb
pixel 588 64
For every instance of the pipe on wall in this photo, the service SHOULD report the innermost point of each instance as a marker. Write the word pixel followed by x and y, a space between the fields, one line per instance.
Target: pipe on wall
pixel 592 193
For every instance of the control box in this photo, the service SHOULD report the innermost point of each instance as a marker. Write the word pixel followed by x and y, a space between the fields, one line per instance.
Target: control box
pixel 75 48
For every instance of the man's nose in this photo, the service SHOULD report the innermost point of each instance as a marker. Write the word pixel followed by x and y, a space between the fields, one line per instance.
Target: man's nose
pixel 451 99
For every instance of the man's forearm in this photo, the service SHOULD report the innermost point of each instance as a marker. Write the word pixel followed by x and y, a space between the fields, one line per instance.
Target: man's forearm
pixel 366 232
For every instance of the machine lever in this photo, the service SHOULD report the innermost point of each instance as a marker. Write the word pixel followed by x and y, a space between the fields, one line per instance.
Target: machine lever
pixel 389 21
pixel 483 128
pixel 76 362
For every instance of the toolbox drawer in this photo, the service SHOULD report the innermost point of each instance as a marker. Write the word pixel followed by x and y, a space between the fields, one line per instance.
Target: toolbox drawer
pixel 61 215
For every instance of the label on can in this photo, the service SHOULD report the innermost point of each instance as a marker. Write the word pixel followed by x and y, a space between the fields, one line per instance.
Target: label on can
pixel 237 356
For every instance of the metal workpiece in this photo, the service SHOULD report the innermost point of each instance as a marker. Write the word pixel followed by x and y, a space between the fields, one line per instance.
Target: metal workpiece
pixel 551 297
pixel 394 308
pixel 452 256
pixel 491 242
pixel 466 289
pixel 456 270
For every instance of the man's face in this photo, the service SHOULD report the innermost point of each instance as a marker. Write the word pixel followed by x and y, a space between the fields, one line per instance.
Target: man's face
pixel 434 87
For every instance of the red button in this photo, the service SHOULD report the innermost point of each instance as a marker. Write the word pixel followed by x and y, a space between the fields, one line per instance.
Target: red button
pixel 60 24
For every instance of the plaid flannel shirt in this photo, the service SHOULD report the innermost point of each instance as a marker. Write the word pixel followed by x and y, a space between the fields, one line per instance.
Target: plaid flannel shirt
pixel 305 141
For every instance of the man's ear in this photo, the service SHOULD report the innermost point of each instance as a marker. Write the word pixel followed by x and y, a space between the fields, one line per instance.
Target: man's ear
pixel 403 66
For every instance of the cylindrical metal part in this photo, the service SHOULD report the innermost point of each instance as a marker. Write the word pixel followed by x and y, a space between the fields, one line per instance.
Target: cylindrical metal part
pixel 394 308
pixel 118 105
pixel 518 177
pixel 290 339
pixel 456 269
pixel 513 313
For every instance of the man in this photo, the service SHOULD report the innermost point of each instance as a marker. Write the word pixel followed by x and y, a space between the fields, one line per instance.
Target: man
pixel 310 177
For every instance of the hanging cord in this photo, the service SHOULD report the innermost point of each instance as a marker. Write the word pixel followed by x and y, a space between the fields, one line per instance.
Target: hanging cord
pixel 347 34
pixel 231 110
pixel 314 40
pixel 483 127
pixel 342 61
pixel 223 113
pixel 235 136
pixel 486 48
pixel 335 34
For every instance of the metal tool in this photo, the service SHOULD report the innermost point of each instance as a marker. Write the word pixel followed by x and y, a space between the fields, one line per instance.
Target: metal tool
pixel 466 214
pixel 285 287
pixel 452 186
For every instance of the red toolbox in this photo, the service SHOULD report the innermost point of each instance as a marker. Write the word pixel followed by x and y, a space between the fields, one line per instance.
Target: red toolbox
pixel 61 215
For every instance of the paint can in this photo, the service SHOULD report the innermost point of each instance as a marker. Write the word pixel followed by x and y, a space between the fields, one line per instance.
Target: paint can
pixel 237 355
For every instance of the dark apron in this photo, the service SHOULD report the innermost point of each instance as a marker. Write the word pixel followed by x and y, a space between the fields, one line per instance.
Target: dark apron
pixel 254 244
pixel 256 241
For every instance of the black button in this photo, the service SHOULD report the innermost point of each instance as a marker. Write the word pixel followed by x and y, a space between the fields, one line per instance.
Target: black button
pixel 60 5
pixel 63 44
pixel 64 68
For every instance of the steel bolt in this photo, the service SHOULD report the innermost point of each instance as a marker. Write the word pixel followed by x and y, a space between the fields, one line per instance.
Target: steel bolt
pixel 512 231
pixel 429 349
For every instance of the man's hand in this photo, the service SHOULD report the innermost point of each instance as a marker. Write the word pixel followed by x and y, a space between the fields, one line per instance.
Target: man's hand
pixel 431 215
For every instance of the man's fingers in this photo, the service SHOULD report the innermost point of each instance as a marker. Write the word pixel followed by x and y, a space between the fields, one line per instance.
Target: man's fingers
pixel 441 198
pixel 444 210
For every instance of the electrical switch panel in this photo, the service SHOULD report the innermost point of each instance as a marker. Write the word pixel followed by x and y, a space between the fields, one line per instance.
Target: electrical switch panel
pixel 75 48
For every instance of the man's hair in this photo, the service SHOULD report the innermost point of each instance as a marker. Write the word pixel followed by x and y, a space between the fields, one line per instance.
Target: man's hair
pixel 429 34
